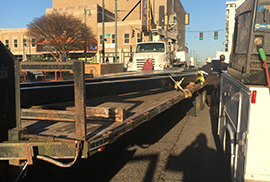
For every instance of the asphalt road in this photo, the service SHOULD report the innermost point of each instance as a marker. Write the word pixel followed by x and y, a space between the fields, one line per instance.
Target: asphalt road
pixel 173 146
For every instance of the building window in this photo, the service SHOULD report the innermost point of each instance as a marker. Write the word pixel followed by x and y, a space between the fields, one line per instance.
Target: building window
pixel 139 37
pixel 100 39
pixel 15 43
pixel 24 42
pixel 33 42
pixel 126 38
pixel 113 38
pixel 7 43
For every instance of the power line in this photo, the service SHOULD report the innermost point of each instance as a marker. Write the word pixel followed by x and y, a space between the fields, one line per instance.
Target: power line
pixel 197 31
pixel 207 8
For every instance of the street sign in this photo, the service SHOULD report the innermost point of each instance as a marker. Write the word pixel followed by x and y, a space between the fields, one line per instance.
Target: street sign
pixel 107 35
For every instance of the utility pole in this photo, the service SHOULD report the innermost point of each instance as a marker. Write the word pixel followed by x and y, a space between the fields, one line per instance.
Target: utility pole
pixel 103 46
pixel 115 32
pixel 23 49
pixel 30 45
pixel 89 15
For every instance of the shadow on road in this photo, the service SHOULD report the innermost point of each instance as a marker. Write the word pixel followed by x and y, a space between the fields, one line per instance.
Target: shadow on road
pixel 198 162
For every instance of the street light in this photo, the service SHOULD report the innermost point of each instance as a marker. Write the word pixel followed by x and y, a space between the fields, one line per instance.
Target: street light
pixel 89 15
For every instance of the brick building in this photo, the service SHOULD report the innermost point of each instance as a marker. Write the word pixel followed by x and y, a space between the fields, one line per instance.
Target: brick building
pixel 129 22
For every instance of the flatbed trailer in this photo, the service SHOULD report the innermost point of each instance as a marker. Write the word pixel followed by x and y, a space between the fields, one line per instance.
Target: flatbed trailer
pixel 78 128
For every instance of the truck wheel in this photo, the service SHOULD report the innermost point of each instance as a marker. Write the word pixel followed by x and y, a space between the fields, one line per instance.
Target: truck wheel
pixel 202 98
pixel 196 105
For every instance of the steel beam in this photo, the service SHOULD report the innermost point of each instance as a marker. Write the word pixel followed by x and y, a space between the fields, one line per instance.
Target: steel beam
pixel 27 150
pixel 47 66
pixel 62 93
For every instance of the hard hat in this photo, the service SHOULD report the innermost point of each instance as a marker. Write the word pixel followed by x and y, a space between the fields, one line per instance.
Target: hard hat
pixel 222 57
pixel 209 59
pixel 150 56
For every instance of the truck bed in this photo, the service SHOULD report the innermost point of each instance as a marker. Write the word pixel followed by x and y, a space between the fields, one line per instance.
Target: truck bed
pixel 75 120
pixel 134 103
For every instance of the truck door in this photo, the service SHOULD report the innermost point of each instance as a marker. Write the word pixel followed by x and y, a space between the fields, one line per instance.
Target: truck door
pixel 233 122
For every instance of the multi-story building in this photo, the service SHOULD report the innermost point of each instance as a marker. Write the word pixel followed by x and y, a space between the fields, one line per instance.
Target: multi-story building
pixel 229 23
pixel 132 16
pixel 20 45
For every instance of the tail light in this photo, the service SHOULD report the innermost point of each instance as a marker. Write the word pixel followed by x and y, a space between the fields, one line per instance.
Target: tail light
pixel 253 96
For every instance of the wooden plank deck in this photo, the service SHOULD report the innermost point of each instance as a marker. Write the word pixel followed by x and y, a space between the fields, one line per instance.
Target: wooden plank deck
pixel 133 103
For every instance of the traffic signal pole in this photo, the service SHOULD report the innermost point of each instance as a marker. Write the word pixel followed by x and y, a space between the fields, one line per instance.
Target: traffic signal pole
pixel 103 46
pixel 115 33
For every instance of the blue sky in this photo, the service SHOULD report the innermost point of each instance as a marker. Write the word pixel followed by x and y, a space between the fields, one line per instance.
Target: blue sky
pixel 207 16
pixel 18 13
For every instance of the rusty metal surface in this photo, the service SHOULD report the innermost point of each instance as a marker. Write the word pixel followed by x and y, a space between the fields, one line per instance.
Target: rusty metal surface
pixel 111 133
pixel 40 138
pixel 102 113
pixel 20 149
pixel 59 138
pixel 17 93
pixel 100 134
pixel 52 115
pixel 46 66
pixel 25 150
pixel 79 94
pixel 78 147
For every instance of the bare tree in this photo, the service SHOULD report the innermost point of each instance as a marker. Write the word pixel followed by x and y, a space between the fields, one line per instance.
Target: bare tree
pixel 59 33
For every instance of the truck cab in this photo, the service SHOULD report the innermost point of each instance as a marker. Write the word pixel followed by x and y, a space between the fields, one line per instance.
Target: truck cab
pixel 157 49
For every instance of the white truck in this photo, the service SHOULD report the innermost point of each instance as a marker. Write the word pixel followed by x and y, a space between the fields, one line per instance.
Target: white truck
pixel 159 51
pixel 182 57
pixel 243 128
pixel 192 62
pixel 244 122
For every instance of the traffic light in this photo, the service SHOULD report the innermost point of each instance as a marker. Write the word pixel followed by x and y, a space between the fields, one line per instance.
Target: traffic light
pixel 201 36
pixel 187 19
pixel 215 35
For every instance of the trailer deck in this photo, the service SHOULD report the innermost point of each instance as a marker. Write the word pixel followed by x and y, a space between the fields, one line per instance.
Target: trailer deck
pixel 134 103
pixel 78 128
